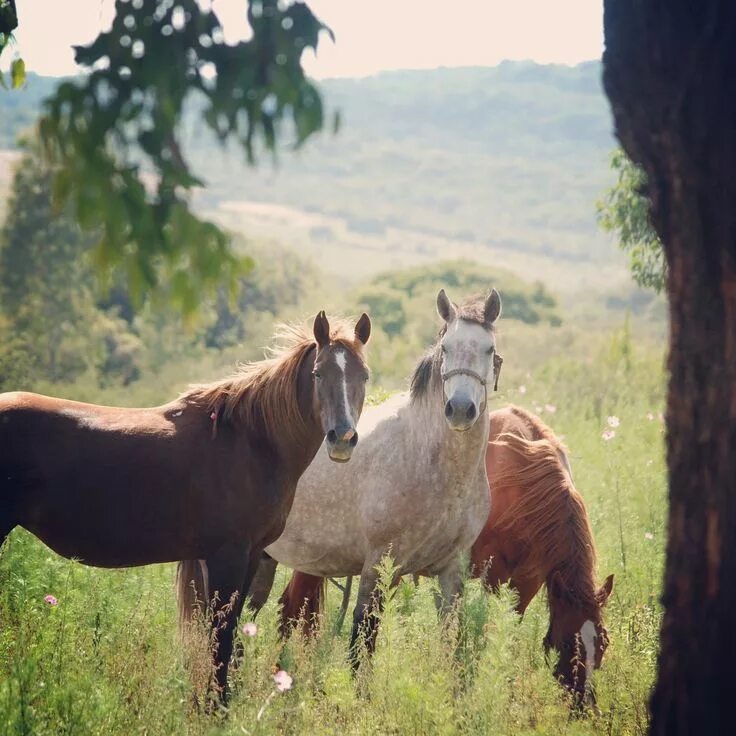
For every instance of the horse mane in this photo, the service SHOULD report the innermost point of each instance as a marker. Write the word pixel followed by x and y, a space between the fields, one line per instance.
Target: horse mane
pixel 536 427
pixel 427 373
pixel 265 392
pixel 550 516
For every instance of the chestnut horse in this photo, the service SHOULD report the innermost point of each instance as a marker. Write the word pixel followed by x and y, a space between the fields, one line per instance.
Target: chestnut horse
pixel 537 532
pixel 416 487
pixel 209 477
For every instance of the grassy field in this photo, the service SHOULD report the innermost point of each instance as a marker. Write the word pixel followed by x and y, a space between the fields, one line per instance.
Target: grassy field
pixel 107 660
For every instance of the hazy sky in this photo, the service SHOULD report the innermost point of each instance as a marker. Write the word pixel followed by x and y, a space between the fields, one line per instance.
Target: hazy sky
pixel 372 35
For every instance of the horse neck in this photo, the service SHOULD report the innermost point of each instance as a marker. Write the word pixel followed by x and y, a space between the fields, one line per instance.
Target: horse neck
pixel 299 445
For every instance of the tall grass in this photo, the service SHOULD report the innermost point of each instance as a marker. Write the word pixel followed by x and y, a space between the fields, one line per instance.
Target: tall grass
pixel 107 659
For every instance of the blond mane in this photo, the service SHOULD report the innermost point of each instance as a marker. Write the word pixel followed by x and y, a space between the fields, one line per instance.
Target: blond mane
pixel 550 515
pixel 263 394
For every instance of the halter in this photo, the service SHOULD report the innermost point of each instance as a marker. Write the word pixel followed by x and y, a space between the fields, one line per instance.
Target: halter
pixel 472 374
pixel 497 363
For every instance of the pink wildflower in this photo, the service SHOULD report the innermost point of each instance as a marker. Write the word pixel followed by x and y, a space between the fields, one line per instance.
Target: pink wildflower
pixel 613 421
pixel 250 629
pixel 51 600
pixel 283 681
pixel 649 535
pixel 609 434
pixel 551 408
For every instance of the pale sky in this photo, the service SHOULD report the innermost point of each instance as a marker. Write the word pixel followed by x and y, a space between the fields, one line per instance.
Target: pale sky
pixel 372 35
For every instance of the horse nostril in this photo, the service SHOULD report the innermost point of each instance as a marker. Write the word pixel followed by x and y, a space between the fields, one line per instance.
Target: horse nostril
pixel 354 440
pixel 332 436
pixel 470 413
pixel 448 409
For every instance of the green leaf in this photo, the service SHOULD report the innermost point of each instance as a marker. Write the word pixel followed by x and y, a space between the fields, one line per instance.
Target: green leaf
pixel 110 129
pixel 18 73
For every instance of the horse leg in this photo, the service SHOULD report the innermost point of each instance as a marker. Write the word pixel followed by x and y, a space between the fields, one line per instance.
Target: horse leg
pixel 301 602
pixel 230 571
pixel 527 589
pixel 345 603
pixel 260 587
pixel 365 616
pixel 451 587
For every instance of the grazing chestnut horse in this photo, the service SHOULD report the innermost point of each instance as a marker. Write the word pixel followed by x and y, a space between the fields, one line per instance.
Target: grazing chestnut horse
pixel 538 532
pixel 209 477
pixel 416 487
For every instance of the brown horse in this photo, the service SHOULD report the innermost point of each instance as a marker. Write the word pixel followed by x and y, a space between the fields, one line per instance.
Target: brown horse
pixel 538 532
pixel 209 477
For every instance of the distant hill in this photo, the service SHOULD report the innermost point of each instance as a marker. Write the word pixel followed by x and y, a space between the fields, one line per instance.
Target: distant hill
pixel 20 108
pixel 502 165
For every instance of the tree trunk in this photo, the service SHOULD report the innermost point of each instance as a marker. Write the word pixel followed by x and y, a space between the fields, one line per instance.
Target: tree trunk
pixel 670 74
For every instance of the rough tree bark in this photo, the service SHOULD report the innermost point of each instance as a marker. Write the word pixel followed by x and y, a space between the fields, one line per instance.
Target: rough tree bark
pixel 670 74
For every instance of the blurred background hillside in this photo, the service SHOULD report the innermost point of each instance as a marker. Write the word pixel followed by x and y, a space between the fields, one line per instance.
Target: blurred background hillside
pixel 463 178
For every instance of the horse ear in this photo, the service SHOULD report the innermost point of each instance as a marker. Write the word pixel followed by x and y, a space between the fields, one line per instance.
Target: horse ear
pixel 445 308
pixel 363 328
pixel 492 307
pixel 322 330
pixel 604 592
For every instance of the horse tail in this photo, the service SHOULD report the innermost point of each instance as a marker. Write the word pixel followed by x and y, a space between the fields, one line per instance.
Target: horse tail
pixel 192 589
pixel 301 601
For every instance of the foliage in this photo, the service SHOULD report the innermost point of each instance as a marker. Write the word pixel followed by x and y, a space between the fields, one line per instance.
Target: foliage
pixel 16 364
pixel 279 281
pixel 107 659
pixel 115 132
pixel 625 212
pixel 401 305
pixel 44 279
pixel 55 327
pixel 8 23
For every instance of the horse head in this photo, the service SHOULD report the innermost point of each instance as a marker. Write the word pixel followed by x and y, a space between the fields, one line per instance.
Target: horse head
pixel 577 632
pixel 467 349
pixel 340 376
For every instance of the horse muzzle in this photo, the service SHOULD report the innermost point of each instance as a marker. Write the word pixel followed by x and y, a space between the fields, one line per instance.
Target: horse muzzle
pixel 461 413
pixel 340 443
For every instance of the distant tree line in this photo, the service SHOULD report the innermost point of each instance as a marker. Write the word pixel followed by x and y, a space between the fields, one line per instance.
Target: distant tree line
pixel 57 325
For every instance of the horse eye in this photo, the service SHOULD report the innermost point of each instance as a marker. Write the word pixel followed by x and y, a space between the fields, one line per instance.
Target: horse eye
pixel 490 350
pixel 316 374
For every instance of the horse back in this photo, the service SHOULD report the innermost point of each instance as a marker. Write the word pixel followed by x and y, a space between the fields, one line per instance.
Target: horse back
pixel 48 432
pixel 502 545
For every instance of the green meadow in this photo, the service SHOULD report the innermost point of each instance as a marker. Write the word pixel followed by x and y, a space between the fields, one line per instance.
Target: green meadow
pixel 453 178
pixel 107 659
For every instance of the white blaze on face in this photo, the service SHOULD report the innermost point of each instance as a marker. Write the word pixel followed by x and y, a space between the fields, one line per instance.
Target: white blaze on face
pixel 342 361
pixel 587 634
